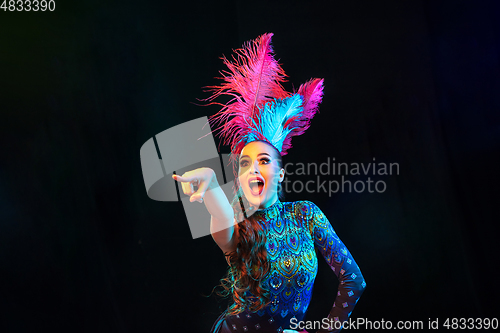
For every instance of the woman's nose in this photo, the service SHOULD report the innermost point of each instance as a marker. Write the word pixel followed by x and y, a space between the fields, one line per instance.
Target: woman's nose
pixel 254 168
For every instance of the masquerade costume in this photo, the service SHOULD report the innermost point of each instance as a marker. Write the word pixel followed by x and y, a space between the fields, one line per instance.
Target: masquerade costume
pixel 294 230
pixel 262 110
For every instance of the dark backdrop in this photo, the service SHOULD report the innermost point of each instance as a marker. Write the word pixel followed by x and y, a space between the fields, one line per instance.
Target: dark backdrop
pixel 83 248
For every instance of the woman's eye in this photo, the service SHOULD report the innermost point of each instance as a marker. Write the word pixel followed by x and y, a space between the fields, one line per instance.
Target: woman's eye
pixel 264 161
pixel 243 163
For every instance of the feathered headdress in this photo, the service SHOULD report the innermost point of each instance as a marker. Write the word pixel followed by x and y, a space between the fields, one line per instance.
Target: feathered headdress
pixel 260 108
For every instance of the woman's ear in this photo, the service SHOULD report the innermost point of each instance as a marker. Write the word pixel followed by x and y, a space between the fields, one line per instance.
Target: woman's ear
pixel 282 175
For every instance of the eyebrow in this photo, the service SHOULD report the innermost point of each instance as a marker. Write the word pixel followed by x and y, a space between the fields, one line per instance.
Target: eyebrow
pixel 257 155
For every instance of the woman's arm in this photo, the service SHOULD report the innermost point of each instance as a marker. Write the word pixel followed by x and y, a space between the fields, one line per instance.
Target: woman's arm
pixel 222 222
pixel 351 281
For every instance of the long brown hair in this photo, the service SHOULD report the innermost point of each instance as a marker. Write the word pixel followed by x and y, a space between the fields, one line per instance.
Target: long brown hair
pixel 248 264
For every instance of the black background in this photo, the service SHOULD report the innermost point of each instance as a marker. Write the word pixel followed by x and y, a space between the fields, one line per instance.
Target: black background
pixel 83 248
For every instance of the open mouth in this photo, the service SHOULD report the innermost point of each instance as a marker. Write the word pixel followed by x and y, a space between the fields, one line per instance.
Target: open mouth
pixel 256 186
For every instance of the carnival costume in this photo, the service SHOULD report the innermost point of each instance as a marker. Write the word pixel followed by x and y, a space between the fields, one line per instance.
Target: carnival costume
pixel 260 109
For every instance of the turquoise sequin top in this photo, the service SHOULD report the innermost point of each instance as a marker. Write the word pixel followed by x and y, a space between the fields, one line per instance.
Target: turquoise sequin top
pixel 295 230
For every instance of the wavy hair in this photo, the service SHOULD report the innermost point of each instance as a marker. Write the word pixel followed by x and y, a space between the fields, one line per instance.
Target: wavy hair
pixel 248 264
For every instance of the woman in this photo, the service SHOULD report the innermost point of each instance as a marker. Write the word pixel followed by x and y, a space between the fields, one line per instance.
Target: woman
pixel 271 248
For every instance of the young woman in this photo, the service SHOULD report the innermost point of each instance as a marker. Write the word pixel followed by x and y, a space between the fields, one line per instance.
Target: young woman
pixel 270 245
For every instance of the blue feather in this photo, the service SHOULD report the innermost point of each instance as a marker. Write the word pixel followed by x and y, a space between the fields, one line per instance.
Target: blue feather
pixel 275 114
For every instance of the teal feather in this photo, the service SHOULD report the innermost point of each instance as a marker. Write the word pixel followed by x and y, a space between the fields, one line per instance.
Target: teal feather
pixel 276 117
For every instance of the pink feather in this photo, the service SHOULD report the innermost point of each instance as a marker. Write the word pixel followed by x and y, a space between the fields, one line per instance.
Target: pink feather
pixel 253 78
pixel 312 94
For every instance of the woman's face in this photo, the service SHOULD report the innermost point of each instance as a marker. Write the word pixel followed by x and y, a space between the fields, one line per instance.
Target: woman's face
pixel 259 174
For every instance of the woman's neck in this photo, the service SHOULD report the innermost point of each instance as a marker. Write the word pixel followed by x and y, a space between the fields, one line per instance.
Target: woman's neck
pixel 269 203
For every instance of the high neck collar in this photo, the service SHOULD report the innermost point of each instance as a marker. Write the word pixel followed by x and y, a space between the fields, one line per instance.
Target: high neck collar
pixel 274 206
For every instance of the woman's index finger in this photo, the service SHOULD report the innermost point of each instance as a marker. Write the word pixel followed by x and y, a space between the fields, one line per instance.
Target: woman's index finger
pixel 181 178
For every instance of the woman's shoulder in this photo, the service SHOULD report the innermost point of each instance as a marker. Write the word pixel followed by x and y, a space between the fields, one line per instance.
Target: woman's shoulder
pixel 301 204
pixel 301 212
pixel 303 209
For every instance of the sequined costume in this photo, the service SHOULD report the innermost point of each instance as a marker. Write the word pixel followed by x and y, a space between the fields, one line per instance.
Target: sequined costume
pixel 294 230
